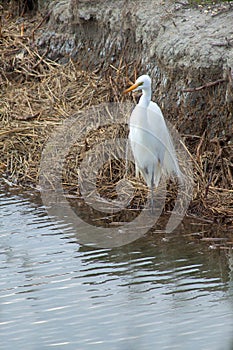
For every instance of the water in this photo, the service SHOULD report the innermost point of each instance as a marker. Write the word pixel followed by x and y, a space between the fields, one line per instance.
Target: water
pixel 150 294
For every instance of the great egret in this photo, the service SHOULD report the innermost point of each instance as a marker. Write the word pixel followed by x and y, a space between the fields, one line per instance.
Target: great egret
pixel 150 140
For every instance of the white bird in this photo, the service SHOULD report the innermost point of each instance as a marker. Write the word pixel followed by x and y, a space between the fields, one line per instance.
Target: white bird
pixel 150 140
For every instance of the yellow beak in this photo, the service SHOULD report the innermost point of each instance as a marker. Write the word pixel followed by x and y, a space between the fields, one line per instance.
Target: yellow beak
pixel 131 88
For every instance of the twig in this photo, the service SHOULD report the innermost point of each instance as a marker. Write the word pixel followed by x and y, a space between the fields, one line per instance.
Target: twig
pixel 0 26
pixel 212 171
pixel 40 24
pixel 40 60
pixel 212 83
pixel 27 117
pixel 220 189
pixel 193 159
pixel 198 152
pixel 12 131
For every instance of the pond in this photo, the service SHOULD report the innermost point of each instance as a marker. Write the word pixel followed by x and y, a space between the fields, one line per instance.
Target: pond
pixel 154 293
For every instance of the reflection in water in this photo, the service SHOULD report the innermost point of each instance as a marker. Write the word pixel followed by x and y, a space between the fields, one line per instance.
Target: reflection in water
pixel 155 293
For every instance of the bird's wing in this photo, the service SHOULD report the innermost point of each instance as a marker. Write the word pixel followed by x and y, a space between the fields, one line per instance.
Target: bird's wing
pixel 163 142
pixel 142 143
pixel 158 129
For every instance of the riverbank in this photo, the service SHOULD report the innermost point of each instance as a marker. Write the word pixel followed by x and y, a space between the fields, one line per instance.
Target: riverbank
pixel 38 94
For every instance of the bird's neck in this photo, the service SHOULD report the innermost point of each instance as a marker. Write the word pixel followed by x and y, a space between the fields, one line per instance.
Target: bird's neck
pixel 145 98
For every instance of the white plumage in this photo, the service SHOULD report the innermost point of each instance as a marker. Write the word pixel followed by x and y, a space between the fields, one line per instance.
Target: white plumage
pixel 150 140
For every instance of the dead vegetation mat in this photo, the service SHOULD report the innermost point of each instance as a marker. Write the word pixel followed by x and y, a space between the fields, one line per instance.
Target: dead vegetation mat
pixel 38 94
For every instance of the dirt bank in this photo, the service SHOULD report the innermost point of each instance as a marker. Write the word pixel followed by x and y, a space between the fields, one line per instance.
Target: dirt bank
pixel 179 45
pixel 187 50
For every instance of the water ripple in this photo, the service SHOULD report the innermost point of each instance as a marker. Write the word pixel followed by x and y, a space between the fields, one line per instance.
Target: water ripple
pixel 56 293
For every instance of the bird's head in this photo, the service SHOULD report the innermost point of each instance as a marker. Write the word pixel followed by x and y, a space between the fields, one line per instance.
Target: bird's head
pixel 142 83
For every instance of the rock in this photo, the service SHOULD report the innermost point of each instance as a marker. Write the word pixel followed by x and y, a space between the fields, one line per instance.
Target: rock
pixel 179 45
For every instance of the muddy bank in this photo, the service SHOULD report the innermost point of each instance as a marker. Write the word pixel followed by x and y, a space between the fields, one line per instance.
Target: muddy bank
pixel 179 45
pixel 187 50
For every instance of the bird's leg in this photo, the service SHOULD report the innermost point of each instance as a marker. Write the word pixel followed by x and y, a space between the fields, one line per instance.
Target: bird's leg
pixel 152 201
pixel 152 194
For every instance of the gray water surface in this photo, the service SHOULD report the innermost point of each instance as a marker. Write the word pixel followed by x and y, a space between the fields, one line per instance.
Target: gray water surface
pixel 151 294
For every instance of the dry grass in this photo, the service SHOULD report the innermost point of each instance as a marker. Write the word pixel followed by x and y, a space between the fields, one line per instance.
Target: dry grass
pixel 38 94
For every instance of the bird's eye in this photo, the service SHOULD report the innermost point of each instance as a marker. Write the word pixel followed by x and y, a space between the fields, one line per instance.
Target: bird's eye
pixel 140 84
